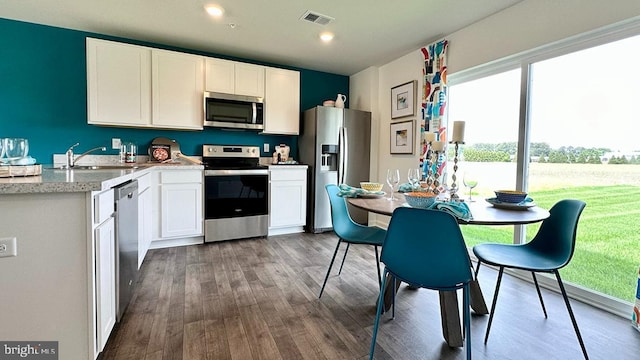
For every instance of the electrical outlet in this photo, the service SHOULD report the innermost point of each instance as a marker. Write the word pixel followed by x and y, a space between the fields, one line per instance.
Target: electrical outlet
pixel 266 148
pixel 115 143
pixel 8 247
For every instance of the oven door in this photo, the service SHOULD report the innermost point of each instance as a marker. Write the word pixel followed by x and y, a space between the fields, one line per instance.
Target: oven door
pixel 236 204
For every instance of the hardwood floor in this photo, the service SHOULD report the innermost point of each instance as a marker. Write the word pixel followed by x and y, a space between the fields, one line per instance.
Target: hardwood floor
pixel 258 299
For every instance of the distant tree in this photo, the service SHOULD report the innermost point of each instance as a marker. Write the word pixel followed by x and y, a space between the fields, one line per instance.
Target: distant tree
pixel 557 157
pixel 539 149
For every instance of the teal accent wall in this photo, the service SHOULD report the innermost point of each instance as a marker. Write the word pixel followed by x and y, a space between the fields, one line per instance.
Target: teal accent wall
pixel 43 96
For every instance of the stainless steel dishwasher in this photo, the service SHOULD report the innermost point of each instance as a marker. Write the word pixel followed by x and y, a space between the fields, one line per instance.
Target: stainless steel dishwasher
pixel 126 206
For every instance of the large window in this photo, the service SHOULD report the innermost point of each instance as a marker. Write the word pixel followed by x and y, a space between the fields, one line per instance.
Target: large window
pixel 581 127
pixel 489 107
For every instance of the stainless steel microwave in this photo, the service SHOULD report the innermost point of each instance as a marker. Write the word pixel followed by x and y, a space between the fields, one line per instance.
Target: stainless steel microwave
pixel 233 111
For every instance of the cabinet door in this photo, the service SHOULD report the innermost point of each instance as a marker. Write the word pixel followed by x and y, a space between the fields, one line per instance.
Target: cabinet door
pixel 178 85
pixel 144 224
pixel 220 76
pixel 288 204
pixel 118 83
pixel 181 210
pixel 249 80
pixel 105 259
pixel 282 101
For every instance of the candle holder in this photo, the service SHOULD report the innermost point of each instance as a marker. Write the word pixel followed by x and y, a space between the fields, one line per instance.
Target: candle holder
pixel 435 174
pixel 454 188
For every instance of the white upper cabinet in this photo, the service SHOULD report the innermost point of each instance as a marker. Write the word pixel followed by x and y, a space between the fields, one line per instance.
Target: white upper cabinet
pixel 136 86
pixel 118 83
pixel 282 102
pixel 177 84
pixel 232 77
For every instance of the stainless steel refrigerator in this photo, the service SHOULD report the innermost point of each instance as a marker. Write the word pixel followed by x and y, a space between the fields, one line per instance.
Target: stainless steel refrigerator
pixel 335 143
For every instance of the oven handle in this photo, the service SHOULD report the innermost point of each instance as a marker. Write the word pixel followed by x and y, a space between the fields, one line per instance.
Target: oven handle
pixel 236 172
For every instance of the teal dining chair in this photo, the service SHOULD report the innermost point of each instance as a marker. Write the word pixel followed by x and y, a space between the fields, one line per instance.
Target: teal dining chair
pixel 551 249
pixel 350 232
pixel 425 248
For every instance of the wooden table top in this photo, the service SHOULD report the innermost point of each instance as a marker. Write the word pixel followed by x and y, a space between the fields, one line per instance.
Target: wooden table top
pixel 483 213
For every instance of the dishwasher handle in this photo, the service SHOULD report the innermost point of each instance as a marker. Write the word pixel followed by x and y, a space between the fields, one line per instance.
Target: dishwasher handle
pixel 126 190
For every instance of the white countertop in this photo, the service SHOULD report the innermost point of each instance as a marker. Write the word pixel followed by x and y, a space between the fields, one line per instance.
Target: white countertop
pixel 55 180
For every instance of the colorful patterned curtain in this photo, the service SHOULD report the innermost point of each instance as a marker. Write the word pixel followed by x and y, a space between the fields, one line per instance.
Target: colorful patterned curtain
pixel 434 98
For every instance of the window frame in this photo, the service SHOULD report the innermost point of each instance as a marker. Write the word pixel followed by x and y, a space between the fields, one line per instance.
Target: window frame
pixel 524 61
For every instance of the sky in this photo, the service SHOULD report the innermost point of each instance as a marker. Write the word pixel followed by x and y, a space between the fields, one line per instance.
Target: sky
pixel 588 98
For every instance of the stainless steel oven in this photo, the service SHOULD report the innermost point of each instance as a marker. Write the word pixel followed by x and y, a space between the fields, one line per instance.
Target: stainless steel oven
pixel 236 198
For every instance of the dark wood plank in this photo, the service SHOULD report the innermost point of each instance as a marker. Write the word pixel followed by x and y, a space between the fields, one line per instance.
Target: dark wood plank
pixel 258 299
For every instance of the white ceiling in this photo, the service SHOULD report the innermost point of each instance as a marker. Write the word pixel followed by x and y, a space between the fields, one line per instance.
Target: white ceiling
pixel 368 32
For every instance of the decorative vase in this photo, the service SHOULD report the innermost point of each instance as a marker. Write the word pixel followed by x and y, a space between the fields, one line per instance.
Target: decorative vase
pixel 340 101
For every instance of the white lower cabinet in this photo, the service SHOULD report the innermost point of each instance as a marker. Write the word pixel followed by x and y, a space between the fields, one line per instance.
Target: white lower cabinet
pixel 144 216
pixel 177 207
pixel 105 281
pixel 287 199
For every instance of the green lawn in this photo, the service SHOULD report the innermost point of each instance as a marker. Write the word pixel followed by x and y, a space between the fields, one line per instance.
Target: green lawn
pixel 607 254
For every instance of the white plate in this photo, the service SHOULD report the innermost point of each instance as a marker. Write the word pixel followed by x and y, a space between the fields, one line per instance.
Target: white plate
pixel 510 206
pixel 371 196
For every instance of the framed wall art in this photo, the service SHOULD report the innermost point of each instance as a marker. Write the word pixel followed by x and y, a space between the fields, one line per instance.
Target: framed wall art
pixel 403 100
pixel 402 137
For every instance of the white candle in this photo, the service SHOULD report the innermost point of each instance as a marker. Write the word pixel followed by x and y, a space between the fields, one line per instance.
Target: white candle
pixel 437 145
pixel 429 137
pixel 458 132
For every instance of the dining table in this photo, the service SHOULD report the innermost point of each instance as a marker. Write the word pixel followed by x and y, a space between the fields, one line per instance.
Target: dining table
pixel 482 213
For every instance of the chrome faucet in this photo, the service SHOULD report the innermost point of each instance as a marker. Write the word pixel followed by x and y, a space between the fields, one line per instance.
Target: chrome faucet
pixel 71 162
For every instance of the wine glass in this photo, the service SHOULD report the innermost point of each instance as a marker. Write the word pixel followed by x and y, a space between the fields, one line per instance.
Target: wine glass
pixel 469 180
pixel 414 178
pixel 393 178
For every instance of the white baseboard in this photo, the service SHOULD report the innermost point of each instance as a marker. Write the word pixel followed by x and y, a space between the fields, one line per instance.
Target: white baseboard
pixel 286 230
pixel 161 244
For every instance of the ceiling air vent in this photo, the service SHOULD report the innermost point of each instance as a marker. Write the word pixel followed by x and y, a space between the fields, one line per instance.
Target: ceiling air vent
pixel 316 18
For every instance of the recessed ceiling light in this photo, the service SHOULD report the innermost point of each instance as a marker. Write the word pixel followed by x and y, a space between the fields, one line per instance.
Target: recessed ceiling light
pixel 326 36
pixel 214 10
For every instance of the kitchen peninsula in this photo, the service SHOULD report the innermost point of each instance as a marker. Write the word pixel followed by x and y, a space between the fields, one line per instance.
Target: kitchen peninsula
pixel 60 287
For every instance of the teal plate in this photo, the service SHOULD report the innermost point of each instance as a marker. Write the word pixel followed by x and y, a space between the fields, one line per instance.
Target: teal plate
pixel 510 206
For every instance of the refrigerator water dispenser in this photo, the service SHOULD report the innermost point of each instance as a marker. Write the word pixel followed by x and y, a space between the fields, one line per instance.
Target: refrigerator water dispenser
pixel 329 158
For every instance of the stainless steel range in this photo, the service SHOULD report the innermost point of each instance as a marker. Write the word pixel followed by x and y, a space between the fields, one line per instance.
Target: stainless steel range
pixel 236 190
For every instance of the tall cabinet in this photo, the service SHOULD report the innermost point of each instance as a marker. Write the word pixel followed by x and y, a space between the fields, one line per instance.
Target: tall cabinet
pixel 282 101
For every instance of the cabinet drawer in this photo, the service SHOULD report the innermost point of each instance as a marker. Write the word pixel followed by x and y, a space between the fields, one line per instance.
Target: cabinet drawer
pixel 144 182
pixel 103 206
pixel 181 177
pixel 288 174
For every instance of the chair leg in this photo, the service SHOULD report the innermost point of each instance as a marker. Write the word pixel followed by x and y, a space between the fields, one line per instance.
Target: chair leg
pixel 344 257
pixel 378 311
pixel 330 265
pixel 466 290
pixel 573 318
pixel 378 267
pixel 535 281
pixel 493 306
pixel 393 299
pixel 477 269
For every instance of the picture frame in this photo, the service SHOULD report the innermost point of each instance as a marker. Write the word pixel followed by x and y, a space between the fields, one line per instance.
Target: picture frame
pixel 401 137
pixel 403 100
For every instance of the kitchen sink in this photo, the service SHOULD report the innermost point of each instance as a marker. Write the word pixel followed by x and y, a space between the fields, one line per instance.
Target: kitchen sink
pixel 98 167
